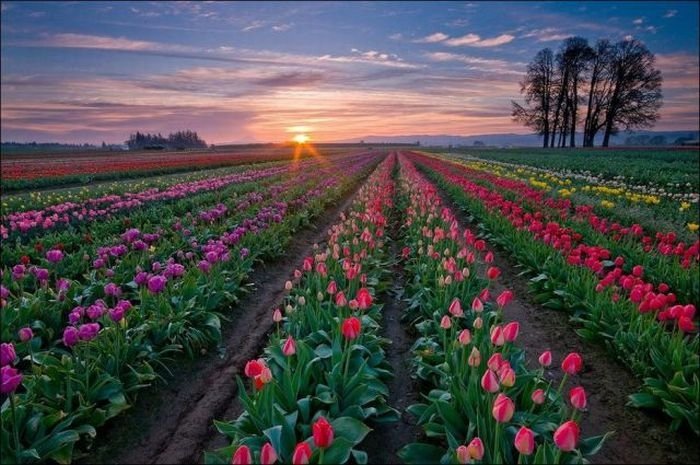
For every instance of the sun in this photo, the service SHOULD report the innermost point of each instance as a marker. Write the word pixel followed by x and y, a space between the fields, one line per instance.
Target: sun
pixel 301 138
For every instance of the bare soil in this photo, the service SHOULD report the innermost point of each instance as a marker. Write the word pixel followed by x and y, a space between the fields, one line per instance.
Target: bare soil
pixel 641 437
pixel 173 423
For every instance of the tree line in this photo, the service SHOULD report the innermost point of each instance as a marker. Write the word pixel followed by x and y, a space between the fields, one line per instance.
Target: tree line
pixel 617 83
pixel 179 140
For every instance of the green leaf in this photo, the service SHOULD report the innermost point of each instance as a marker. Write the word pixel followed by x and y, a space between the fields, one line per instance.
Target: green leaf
pixel 351 429
pixel 338 452
pixel 591 446
pixel 418 453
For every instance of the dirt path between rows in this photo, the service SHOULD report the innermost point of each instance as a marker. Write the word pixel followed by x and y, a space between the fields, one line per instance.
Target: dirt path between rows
pixel 173 423
pixel 386 439
pixel 641 437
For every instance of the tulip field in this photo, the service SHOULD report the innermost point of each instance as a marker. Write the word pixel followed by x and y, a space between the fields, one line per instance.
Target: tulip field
pixel 361 306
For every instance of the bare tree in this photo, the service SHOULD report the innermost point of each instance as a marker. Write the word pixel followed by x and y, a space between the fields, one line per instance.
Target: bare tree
pixel 538 89
pixel 599 90
pixel 636 89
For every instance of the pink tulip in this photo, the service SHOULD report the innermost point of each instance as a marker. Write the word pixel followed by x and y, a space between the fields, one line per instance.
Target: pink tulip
pixel 567 435
pixel 525 441
pixel 10 379
pixel 289 348
pixel 474 358
pixel 462 455
pixel 445 323
pixel 507 377
pixel 322 433
pixel 7 353
pixel 497 337
pixel 364 299
pixel 476 449
pixel 242 456
pixel 465 337
pixel 485 295
pixel 302 454
pixel 478 322
pixel 25 334
pixel 332 288
pixel 477 305
pixel 577 396
pixel 268 456
pixel 503 408
pixel 572 364
pixel 495 361
pixel 456 308
pixel 340 299
pixel 489 382
pixel 538 396
pixel 545 358
pixel 510 331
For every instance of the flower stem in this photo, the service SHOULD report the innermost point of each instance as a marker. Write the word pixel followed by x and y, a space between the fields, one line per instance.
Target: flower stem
pixel 15 428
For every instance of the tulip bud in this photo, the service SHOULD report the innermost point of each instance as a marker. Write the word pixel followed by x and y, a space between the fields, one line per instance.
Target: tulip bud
pixel 476 449
pixel 504 298
pixel 485 295
pixel 277 315
pixel 477 305
pixel 446 323
pixel 462 455
pixel 448 280
pixel 507 377
pixel 572 363
pixel 288 309
pixel 322 433
pixel 289 348
pixel 474 358
pixel 577 396
pixel 302 454
pixel 465 337
pixel 525 441
pixel 511 330
pixel 495 361
pixel 268 456
pixel 503 408
pixel 288 286
pixel 25 334
pixel 493 272
pixel 351 328
pixel 456 308
pixel 545 358
pixel 497 337
pixel 465 272
pixel 242 456
pixel 489 382
pixel 478 322
pixel 566 436
pixel 538 396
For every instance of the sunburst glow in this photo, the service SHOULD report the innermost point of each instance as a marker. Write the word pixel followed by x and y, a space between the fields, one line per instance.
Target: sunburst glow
pixel 301 138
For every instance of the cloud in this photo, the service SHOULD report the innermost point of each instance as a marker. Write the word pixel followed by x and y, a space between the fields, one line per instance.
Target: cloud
pixel 396 36
pixel 282 27
pixel 432 38
pixel 638 21
pixel 71 40
pixel 369 57
pixel 651 29
pixel 473 40
pixel 548 34
pixel 671 13
pixel 253 26
pixel 629 37
pixel 293 79
pixel 479 64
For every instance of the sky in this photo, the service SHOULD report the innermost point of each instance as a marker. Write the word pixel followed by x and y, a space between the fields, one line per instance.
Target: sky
pixel 264 71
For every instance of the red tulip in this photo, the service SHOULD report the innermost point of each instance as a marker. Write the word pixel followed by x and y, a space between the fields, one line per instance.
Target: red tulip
pixel 566 436
pixel 456 308
pixel 477 305
pixel 638 271
pixel 525 441
pixel 445 323
pixel 485 295
pixel 510 331
pixel 364 299
pixel 538 396
pixel 504 298
pixel 322 433
pixel 351 328
pixel 572 363
pixel 488 258
pixel 289 348
pixel 503 408
pixel 577 396
pixel 545 358
pixel 254 367
pixel 476 449
pixel 268 456
pixel 302 454
pixel 242 456
pixel 489 382
pixel 493 272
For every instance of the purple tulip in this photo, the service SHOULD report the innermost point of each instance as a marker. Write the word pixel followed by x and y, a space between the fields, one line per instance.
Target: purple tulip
pixel 139 245
pixel 10 378
pixel 62 284
pixel 7 353
pixel 157 283
pixel 125 304
pixel 98 263
pixel 109 272
pixel 112 289
pixel 212 257
pixel 42 274
pixel 54 255
pixel 70 336
pixel 131 235
pixel 116 314
pixel 204 266
pixel 244 252
pixel 18 272
pixel 4 292
pixel 95 311
pixel 25 334
pixel 74 317
pixel 141 278
pixel 88 331
pixel 156 267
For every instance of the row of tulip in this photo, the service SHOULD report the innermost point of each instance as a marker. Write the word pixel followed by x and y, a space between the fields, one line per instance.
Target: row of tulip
pixel 27 223
pixel 666 360
pixel 480 398
pixel 322 377
pixel 665 243
pixel 58 387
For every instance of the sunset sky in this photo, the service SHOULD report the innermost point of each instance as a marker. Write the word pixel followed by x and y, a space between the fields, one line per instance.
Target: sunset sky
pixel 263 71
